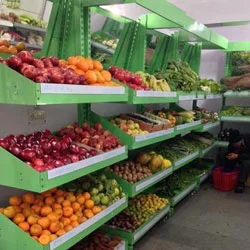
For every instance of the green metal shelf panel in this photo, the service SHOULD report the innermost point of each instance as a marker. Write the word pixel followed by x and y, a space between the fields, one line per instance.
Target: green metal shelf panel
pixel 133 237
pixel 231 93
pixel 150 97
pixel 238 46
pixel 134 189
pixel 222 144
pixel 137 141
pixel 218 40
pixel 208 149
pixel 208 126
pixel 25 242
pixel 188 127
pixel 185 160
pixel 15 173
pixel 235 118
pixel 17 89
pixel 175 200
pixel 187 96
pixel 204 176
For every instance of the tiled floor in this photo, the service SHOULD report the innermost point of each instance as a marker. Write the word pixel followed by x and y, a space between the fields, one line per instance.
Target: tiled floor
pixel 208 220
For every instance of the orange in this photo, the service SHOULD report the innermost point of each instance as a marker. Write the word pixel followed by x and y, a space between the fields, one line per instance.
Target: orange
pixel 35 238
pixel 18 209
pixel 25 205
pixel 100 78
pixel 28 198
pixel 72 67
pixel 49 201
pixel 46 232
pixel 76 206
pixel 24 226
pixel 53 190
pixel 18 218
pixel 79 213
pixel 54 227
pixel 46 210
pixel 59 199
pixel 82 65
pixel 68 228
pixel 10 212
pixel 74 223
pixel 55 206
pixel 33 219
pixel 106 75
pixel 60 232
pixel 44 239
pixel 91 77
pixel 96 209
pixel 89 204
pixel 63 62
pixel 52 217
pixel 27 212
pixel 15 200
pixel 90 63
pixel 73 217
pixel 89 214
pixel 80 199
pixel 73 60
pixel 39 197
pixel 67 211
pixel 65 221
pixel 44 222
pixel 36 230
pixel 79 72
pixel 86 196
pixel 58 212
pixel 82 220
pixel 97 65
pixel 1 210
pixel 36 209
pixel 70 197
pixel 39 203
pixel 52 237
pixel 46 194
pixel 59 192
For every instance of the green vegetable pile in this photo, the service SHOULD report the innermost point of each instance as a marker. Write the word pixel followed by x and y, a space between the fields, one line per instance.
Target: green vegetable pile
pixel 210 86
pixel 235 111
pixel 240 63
pixel 205 115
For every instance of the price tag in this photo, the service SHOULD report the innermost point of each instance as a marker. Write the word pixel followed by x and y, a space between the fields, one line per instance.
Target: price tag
pixel 149 225
pixel 154 178
pixel 141 93
pixel 139 138
pixel 85 163
pixel 211 125
pixel 59 241
pixel 184 193
pixel 206 150
pixel 187 97
pixel 186 159
pixel 211 96
pixel 188 125
pixel 121 246
pixel 47 88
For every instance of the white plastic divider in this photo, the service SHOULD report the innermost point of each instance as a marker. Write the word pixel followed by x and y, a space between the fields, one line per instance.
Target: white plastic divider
pixel 237 93
pixel 149 225
pixel 222 144
pixel 211 125
pixel 187 97
pixel 50 88
pixel 154 135
pixel 187 125
pixel 143 93
pixel 183 194
pixel 214 96
pixel 235 118
pixel 154 178
pixel 85 163
pixel 59 241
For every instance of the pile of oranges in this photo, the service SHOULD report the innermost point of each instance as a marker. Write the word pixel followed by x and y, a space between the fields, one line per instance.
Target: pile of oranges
pixel 51 214
pixel 92 70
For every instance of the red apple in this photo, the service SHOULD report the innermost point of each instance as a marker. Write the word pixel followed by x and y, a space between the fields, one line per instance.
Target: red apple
pixel 28 154
pixel 25 56
pixel 15 149
pixel 38 63
pixel 30 72
pixel 41 79
pixel 112 70
pixel 54 61
pixel 14 62
pixel 74 158
pixel 4 143
pixel 38 162
pixel 47 63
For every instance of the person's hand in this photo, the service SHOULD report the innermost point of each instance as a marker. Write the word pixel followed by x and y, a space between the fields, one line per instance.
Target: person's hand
pixel 232 156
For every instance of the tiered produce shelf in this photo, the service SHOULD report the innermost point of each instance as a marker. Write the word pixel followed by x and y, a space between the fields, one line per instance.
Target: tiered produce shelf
pixel 24 241
pixel 102 47
pixel 208 149
pixel 231 93
pixel 24 177
pixel 208 126
pixel 235 118
pixel 185 160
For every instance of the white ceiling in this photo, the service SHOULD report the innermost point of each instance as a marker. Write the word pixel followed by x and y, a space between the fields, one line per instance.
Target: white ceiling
pixel 215 11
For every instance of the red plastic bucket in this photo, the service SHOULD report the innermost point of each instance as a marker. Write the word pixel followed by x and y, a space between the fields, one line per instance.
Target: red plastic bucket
pixel 217 177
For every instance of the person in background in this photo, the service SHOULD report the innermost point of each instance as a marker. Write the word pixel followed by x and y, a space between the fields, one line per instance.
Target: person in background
pixel 239 154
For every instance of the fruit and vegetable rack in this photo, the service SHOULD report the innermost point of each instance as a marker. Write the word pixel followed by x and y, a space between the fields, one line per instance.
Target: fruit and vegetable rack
pixel 81 174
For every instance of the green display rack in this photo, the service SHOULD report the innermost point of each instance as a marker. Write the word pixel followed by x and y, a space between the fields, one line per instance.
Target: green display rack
pixel 208 126
pixel 17 89
pixel 150 97
pixel 187 96
pixel 222 144
pixel 133 237
pixel 188 127
pixel 213 96
pixel 138 141
pixel 185 160
pixel 24 241
pixel 134 189
pixel 231 93
pixel 201 95
pixel 15 173
pixel 235 118
pixel 181 195
pixel 208 149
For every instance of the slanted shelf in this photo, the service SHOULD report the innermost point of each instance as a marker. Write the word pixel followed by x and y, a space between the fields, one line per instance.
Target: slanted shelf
pixel 208 149
pixel 17 89
pixel 137 141
pixel 187 96
pixel 25 177
pixel 136 188
pixel 150 97
pixel 185 160
pixel 25 241
pixel 240 94
pixel 133 237
pixel 235 118
pixel 208 126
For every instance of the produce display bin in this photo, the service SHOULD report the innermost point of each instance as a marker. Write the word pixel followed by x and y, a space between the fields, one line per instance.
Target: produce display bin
pixel 102 47
pixel 149 97
pixel 222 144
pixel 24 241
pixel 15 173
pixel 133 237
pixel 17 89
pixel 175 200
pixel 134 189
pixel 208 149
pixel 185 160
pixel 231 93
pixel 208 126
pixel 187 96
pixel 137 141
pixel 235 118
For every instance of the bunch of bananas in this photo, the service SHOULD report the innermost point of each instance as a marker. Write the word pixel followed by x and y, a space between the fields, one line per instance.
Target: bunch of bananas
pixel 153 83
pixel 184 117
